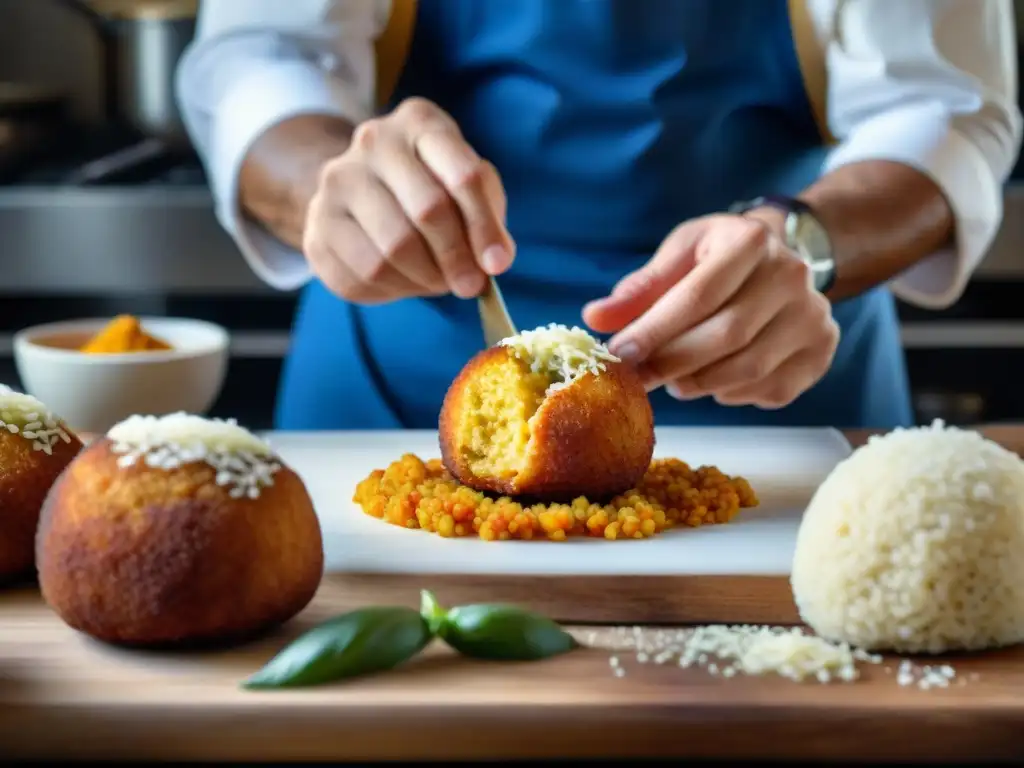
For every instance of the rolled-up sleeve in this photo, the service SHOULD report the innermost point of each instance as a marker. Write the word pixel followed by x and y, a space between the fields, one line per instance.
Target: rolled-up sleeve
pixel 256 63
pixel 931 84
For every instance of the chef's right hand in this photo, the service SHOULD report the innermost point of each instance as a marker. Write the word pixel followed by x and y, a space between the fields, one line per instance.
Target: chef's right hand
pixel 408 210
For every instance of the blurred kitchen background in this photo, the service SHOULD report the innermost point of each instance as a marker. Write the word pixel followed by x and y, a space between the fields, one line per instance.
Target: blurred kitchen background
pixel 114 216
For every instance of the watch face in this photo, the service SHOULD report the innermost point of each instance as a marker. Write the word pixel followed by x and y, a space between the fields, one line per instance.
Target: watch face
pixel 811 238
pixel 815 247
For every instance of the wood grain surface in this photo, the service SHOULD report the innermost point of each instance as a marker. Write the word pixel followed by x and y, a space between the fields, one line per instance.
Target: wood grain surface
pixel 64 696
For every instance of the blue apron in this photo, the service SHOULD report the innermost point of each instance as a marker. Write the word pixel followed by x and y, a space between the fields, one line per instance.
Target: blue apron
pixel 610 121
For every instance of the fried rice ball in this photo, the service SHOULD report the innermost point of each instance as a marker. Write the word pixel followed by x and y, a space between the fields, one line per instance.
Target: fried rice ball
pixel 178 530
pixel 35 447
pixel 549 414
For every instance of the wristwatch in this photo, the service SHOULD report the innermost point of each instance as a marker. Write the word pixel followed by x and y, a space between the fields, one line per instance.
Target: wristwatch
pixel 805 235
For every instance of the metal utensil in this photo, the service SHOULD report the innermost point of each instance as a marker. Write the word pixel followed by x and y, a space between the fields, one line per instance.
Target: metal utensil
pixel 142 41
pixel 494 316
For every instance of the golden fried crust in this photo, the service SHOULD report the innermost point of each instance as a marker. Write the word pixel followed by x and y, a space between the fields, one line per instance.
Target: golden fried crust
pixel 145 556
pixel 25 478
pixel 594 438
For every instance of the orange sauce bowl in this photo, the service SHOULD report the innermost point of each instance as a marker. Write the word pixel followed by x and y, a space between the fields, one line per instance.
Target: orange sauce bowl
pixel 92 392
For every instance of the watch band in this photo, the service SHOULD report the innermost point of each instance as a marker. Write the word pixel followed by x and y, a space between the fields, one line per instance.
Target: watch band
pixel 823 268
pixel 781 202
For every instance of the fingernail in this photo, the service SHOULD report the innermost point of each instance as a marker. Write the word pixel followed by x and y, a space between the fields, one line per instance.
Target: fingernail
pixel 628 351
pixel 467 285
pixel 496 259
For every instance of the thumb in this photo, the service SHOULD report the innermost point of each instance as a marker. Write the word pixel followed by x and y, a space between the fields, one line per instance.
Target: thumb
pixel 638 291
pixel 494 193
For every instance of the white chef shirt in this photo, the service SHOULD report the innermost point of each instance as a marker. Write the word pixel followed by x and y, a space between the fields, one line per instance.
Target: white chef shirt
pixel 928 83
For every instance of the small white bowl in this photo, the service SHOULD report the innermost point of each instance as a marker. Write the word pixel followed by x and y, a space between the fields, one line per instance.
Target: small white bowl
pixel 94 392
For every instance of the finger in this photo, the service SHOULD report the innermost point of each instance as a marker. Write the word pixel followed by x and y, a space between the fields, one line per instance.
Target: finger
pixel 684 389
pixel 436 138
pixel 322 259
pixel 787 382
pixel 380 279
pixel 416 115
pixel 737 326
pixel 432 211
pixel 636 292
pixel 495 191
pixel 467 178
pixel 714 280
pixel 335 272
pixel 393 236
pixel 780 339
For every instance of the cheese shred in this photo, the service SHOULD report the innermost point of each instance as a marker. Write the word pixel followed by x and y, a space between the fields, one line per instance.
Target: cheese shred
pixel 729 651
pixel 562 353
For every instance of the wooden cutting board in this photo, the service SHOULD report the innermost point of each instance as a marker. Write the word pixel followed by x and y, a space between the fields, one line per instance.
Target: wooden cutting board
pixel 64 696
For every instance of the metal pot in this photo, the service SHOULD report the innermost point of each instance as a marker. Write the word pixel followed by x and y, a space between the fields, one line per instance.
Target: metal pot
pixel 143 41
pixel 32 119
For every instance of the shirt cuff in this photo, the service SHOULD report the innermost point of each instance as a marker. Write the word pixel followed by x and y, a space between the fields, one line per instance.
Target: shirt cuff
pixel 264 97
pixel 921 136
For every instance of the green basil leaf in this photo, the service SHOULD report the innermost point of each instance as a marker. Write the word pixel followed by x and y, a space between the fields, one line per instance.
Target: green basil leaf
pixel 362 642
pixel 504 633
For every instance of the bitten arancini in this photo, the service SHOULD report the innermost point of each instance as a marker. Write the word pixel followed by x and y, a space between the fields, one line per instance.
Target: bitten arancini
pixel 550 414
pixel 178 529
pixel 35 447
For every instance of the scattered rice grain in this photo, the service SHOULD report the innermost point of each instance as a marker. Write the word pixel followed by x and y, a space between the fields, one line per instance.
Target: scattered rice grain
pixel 728 651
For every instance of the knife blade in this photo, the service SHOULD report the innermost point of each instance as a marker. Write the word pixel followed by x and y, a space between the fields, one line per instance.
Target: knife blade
pixel 494 317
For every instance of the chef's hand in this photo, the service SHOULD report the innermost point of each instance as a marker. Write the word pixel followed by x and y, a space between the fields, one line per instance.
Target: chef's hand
pixel 408 210
pixel 723 309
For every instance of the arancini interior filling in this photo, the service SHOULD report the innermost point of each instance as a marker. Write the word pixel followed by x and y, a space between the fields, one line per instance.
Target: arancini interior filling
pixel 495 425
pixel 494 432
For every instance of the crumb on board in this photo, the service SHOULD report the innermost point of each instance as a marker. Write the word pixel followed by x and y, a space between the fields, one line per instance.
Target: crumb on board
pixel 732 650
pixel 412 493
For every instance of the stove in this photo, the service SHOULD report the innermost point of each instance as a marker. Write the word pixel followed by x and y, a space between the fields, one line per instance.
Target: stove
pixel 111 158
pixel 110 212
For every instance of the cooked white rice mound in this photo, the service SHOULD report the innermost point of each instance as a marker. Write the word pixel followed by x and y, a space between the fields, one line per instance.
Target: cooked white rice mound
pixel 915 544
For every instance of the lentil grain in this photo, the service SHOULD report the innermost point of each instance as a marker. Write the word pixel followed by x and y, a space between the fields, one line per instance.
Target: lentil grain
pixel 413 493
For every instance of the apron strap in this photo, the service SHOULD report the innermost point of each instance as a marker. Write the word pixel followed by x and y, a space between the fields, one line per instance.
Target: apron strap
pixel 810 53
pixel 392 48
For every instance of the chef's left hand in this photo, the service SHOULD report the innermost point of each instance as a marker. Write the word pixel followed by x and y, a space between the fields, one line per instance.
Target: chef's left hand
pixel 723 309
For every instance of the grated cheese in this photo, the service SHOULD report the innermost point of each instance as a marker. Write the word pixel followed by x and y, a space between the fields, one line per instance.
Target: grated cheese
pixel 728 651
pixel 790 653
pixel 243 463
pixel 24 415
pixel 566 354
pixel 924 677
